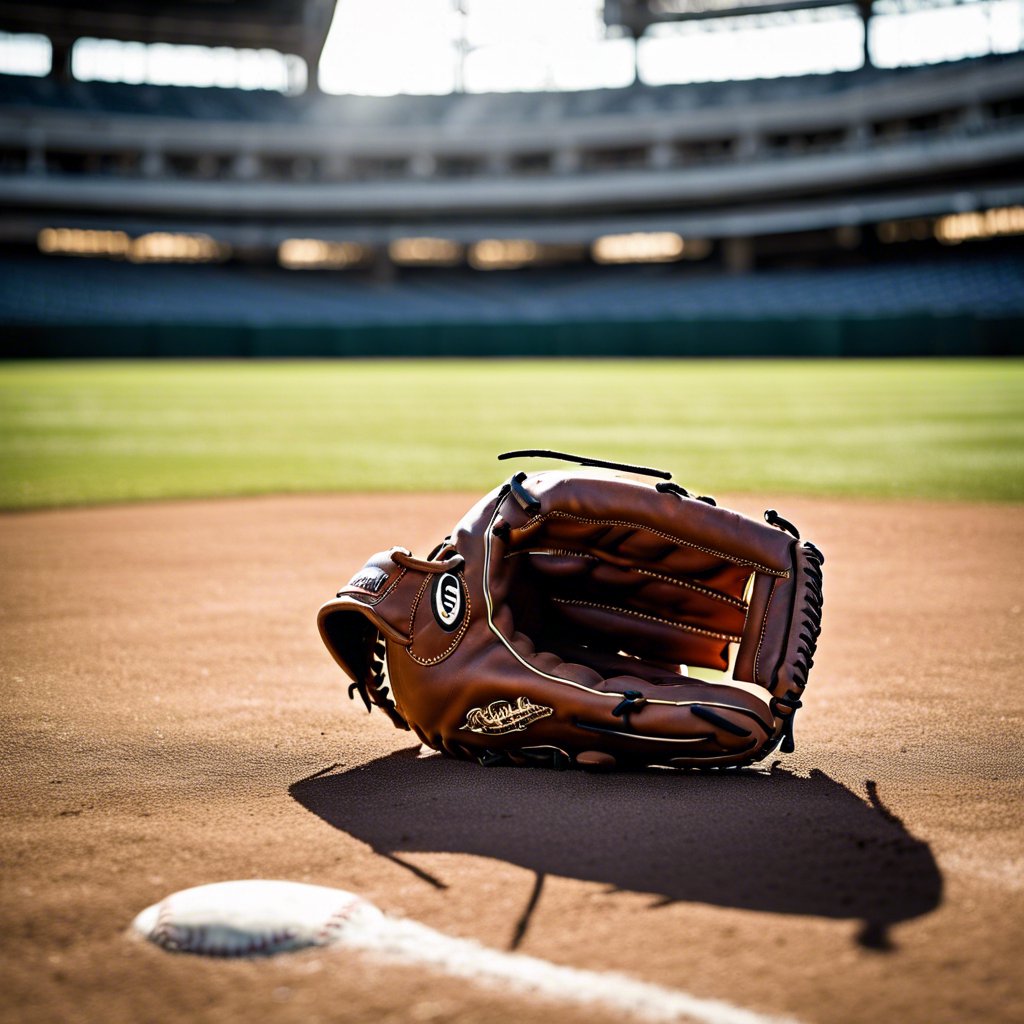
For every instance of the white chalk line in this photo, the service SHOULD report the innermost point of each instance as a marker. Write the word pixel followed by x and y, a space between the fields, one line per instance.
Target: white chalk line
pixel 413 943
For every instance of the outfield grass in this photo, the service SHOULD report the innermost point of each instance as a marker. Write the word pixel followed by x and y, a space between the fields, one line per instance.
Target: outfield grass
pixel 75 433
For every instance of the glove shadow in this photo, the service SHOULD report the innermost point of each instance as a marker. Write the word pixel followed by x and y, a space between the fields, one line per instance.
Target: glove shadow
pixel 778 843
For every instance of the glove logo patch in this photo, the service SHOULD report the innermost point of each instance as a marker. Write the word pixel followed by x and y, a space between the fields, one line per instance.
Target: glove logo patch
pixel 369 578
pixel 448 601
pixel 501 716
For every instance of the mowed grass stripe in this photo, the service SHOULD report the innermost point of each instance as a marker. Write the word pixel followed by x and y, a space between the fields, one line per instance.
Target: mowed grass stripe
pixel 73 433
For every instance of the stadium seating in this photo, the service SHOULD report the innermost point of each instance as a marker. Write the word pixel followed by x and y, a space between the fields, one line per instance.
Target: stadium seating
pixel 45 292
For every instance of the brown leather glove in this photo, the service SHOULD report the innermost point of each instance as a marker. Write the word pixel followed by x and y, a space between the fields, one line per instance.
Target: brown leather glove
pixel 556 623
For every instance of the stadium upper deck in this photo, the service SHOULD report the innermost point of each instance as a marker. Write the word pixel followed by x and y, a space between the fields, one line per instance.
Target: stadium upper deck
pixel 461 109
pixel 719 161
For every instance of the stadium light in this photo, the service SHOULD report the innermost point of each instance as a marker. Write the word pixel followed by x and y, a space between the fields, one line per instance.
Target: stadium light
pixel 170 247
pixel 435 252
pixel 512 253
pixel 155 247
pixel 963 227
pixel 316 254
pixel 639 247
pixel 82 242
pixel 503 253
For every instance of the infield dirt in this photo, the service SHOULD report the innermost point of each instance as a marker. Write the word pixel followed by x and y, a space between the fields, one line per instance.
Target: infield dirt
pixel 171 718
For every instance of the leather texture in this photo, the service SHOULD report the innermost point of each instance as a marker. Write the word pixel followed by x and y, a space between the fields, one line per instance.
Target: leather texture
pixel 556 624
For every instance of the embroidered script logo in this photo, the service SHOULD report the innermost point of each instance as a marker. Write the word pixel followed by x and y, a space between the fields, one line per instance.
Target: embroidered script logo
pixel 501 717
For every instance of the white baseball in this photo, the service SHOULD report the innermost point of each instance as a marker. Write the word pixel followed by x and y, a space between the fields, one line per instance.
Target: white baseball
pixel 251 917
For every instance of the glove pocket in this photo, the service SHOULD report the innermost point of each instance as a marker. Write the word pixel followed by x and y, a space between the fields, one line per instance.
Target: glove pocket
pixel 644 634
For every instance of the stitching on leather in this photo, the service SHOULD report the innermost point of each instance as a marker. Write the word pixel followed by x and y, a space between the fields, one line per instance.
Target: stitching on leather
pixel 537 520
pixel 652 618
pixel 563 552
pixel 566 553
pixel 415 604
pixel 764 626
pixel 735 602
pixel 460 633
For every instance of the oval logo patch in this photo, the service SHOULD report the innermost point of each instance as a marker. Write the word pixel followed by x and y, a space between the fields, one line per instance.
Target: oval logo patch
pixel 448 601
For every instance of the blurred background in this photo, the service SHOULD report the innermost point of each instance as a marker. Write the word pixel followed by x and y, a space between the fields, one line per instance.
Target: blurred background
pixel 511 177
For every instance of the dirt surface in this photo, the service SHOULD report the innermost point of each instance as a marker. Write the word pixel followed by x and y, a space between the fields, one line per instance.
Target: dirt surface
pixel 169 713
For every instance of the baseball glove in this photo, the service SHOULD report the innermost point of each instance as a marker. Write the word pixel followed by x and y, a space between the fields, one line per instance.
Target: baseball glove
pixel 556 624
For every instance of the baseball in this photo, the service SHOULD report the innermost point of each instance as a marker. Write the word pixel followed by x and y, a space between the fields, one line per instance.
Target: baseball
pixel 251 917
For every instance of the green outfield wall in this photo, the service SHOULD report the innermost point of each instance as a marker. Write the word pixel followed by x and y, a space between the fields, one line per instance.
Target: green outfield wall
pixel 804 337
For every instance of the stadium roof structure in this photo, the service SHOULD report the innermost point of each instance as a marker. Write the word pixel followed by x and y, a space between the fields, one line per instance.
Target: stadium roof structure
pixel 636 16
pixel 289 26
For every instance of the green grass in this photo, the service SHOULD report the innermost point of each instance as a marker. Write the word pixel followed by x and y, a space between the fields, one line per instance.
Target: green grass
pixel 74 433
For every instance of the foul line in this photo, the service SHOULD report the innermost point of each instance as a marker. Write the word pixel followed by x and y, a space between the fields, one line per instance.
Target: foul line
pixel 412 943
